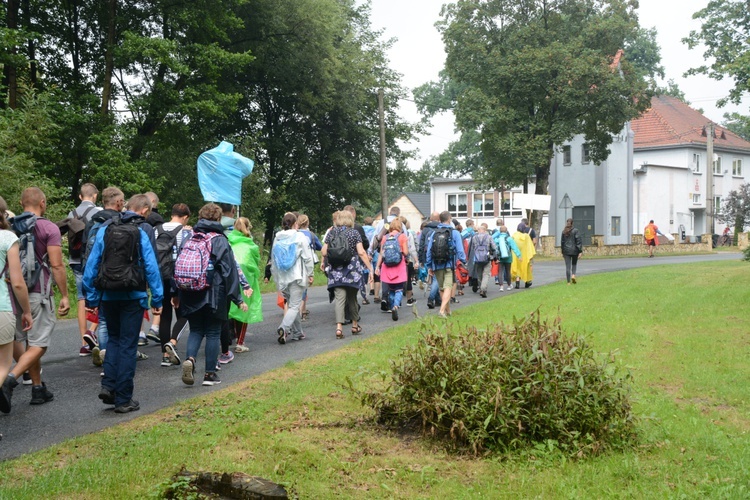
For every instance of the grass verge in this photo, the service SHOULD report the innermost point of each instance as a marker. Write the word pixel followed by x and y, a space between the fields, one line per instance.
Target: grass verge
pixel 681 330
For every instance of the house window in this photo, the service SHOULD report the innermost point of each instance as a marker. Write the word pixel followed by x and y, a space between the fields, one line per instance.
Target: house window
pixel 457 205
pixel 696 199
pixel 717 165
pixel 484 205
pixel 507 209
pixel 616 226
pixel 737 168
pixel 585 158
pixel 696 162
pixel 717 204
pixel 566 155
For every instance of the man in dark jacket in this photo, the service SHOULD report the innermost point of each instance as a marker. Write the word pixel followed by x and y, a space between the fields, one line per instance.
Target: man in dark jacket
pixel 206 310
pixel 425 238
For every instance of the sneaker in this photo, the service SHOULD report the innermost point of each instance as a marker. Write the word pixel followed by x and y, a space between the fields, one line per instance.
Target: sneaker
pixel 153 335
pixel 430 304
pixel 483 295
pixel 241 348
pixel 372 292
pixel 502 288
pixel 218 366
pixel 142 340
pixel 454 300
pixel 90 338
pixel 518 284
pixel 411 301
pixel 140 356
pixel 40 395
pixel 131 405
pixel 188 372
pixel 299 336
pixel 107 396
pixel 226 357
pixel 282 335
pixel 172 353
pixel 394 314
pixel 211 378
pixel 384 305
pixel 97 356
pixel 85 351
pixel 527 284
pixel 7 392
pixel 573 280
pixel 27 378
pixel 165 361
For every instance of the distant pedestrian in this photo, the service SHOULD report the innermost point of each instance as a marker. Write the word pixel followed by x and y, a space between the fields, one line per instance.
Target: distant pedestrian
pixel 571 245
pixel 650 234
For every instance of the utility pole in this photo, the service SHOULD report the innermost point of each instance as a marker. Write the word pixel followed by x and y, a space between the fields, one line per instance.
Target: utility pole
pixel 383 171
pixel 710 179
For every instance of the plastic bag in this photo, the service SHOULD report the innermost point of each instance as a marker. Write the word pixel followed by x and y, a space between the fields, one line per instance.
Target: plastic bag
pixel 220 174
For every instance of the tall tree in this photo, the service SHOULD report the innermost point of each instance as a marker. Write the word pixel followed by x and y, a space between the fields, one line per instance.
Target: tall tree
pixel 736 209
pixel 537 73
pixel 725 33
pixel 737 123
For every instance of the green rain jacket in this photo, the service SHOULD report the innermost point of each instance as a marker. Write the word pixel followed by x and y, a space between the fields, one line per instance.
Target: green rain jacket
pixel 247 254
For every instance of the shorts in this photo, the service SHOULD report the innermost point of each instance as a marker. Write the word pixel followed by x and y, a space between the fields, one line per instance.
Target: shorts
pixel 44 316
pixel 78 275
pixel 651 243
pixel 444 278
pixel 7 327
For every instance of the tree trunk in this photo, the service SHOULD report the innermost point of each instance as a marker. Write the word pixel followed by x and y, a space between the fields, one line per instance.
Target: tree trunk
pixel 109 58
pixel 31 44
pixel 10 71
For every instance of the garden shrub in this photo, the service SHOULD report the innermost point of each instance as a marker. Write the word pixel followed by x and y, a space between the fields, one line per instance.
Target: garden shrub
pixel 506 388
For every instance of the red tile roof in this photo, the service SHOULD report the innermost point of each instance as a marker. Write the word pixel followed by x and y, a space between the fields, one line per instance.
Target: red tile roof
pixel 671 122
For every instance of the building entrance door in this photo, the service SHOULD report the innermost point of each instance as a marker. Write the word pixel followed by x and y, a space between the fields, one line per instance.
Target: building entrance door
pixel 583 220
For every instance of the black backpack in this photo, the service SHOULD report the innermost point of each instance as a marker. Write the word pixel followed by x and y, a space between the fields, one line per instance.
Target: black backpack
pixel 121 269
pixel 166 250
pixel 442 245
pixel 339 252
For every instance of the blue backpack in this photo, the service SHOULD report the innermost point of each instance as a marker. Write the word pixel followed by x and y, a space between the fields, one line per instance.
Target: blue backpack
pixel 392 255
pixel 284 253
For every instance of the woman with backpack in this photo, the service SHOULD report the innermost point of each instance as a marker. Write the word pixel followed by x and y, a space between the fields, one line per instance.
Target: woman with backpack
pixel 207 280
pixel 345 260
pixel 247 254
pixel 571 245
pixel 391 266
pixel 506 247
pixel 292 269
pixel 482 250
pixel 10 263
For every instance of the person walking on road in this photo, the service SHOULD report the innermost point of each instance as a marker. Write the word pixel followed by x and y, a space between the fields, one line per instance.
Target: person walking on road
pixel 650 234
pixel 571 245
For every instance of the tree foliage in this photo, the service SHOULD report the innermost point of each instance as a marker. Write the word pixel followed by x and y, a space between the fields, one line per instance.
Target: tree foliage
pixel 736 209
pixel 534 74
pixel 737 123
pixel 137 90
pixel 725 33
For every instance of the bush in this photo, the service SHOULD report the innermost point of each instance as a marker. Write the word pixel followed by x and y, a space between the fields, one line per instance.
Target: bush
pixel 508 388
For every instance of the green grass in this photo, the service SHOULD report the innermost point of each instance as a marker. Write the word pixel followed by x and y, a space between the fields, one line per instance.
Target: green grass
pixel 682 331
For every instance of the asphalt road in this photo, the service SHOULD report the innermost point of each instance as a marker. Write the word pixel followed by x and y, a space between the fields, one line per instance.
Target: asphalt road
pixel 74 380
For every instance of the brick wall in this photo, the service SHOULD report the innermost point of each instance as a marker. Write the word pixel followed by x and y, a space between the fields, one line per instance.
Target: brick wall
pixel 636 247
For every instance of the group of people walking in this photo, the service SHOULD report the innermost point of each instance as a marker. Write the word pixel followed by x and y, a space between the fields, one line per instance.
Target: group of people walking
pixel 142 279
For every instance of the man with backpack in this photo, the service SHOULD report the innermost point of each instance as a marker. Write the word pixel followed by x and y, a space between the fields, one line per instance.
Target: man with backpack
pixel 42 261
pixel 424 239
pixel 119 270
pixel 444 250
pixel 483 248
pixel 76 247
pixel 169 238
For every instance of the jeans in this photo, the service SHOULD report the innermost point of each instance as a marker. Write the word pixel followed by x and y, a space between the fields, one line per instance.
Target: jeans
pixel 204 324
pixel 291 321
pixel 102 332
pixel 395 294
pixel 434 296
pixel 124 321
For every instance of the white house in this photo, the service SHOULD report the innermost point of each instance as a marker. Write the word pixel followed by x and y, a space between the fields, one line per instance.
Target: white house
pixel 671 168
pixel 461 198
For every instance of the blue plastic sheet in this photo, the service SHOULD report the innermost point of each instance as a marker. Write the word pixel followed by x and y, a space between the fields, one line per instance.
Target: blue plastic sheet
pixel 220 174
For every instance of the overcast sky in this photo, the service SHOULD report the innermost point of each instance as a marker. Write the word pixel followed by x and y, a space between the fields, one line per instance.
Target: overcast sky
pixel 418 55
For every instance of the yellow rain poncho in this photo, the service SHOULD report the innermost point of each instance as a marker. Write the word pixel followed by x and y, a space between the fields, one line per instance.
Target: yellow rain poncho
pixel 522 268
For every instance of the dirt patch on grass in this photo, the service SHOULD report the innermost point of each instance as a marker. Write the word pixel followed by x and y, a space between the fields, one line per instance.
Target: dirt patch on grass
pixel 721 412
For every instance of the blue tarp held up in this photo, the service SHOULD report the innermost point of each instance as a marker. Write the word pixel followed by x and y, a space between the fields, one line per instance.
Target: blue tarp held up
pixel 220 174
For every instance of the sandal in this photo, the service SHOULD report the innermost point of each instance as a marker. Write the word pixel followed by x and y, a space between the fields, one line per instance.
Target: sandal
pixel 356 330
pixel 305 315
pixel 339 334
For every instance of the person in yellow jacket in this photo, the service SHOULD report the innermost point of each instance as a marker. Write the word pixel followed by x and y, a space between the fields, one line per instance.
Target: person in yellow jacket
pixel 521 269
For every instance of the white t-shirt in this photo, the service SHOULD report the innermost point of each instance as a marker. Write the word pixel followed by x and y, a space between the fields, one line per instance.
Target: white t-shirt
pixel 7 239
pixel 169 226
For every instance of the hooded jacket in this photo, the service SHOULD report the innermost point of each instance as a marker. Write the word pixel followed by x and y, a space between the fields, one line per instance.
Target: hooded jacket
pixel 225 284
pixel 303 266
pixel 247 254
